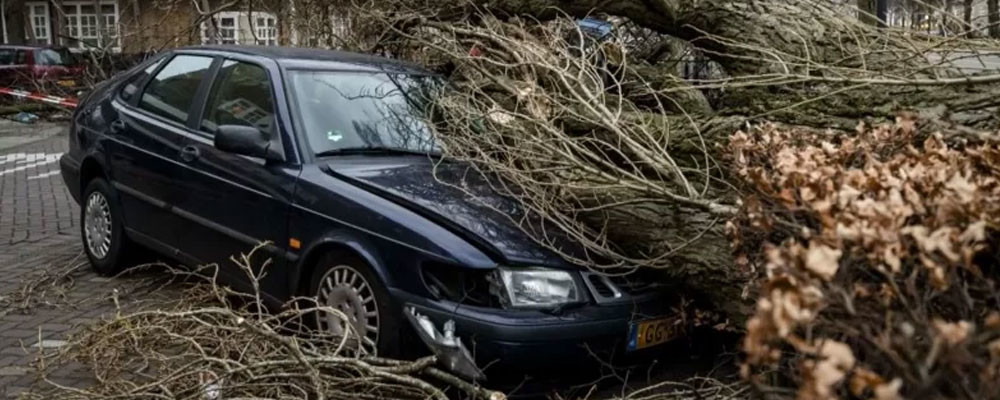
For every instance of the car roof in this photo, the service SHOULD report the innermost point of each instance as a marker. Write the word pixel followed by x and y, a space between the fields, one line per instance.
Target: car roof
pixel 299 57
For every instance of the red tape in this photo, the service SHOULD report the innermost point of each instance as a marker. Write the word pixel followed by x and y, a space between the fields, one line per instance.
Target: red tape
pixel 62 101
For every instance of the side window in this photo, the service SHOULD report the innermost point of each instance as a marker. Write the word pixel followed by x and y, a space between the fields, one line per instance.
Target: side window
pixel 241 95
pixel 21 57
pixel 173 89
pixel 6 56
pixel 132 83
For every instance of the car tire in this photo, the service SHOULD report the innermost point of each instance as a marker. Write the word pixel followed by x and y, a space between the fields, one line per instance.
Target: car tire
pixel 345 281
pixel 101 228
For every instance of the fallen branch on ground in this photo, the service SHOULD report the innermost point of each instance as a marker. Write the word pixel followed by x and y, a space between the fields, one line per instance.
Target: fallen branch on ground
pixel 213 343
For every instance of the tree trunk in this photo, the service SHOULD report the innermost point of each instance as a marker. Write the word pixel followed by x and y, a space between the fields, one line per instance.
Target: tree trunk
pixel 967 18
pixel 947 19
pixel 993 11
pixel 29 30
pixel 102 38
pixel 16 17
pixel 292 25
pixel 867 12
pixel 210 28
pixel 141 36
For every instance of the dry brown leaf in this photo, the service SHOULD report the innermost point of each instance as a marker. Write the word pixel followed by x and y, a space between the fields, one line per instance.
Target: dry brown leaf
pixel 953 333
pixel 992 320
pixel 822 260
pixel 889 391
pixel 835 360
pixel 863 379
pixel 962 187
pixel 974 233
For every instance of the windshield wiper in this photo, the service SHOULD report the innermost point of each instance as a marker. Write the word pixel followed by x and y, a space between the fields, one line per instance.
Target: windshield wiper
pixel 374 150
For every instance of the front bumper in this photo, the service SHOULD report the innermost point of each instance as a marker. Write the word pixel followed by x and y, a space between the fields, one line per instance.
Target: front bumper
pixel 532 341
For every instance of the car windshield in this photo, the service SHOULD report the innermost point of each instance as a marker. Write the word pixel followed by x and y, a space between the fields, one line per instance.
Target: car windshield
pixel 362 110
pixel 54 57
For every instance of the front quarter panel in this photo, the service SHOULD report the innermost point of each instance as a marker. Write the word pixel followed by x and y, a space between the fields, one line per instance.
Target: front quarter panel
pixel 394 240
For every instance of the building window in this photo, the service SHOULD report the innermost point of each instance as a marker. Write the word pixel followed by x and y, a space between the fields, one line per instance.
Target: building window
pixel 233 27
pixel 92 27
pixel 110 14
pixel 226 27
pixel 40 22
pixel 265 28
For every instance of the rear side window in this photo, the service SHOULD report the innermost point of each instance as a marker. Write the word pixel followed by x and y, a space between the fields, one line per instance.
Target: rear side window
pixel 21 58
pixel 241 95
pixel 54 57
pixel 133 82
pixel 6 56
pixel 173 89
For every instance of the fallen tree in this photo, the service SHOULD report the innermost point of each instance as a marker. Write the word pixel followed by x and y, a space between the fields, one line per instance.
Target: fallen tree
pixel 603 143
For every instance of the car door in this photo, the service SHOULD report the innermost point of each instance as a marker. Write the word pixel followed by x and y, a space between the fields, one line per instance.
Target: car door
pixel 233 202
pixel 147 140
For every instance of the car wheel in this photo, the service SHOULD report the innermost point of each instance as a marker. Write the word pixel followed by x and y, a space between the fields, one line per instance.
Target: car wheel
pixel 345 282
pixel 101 228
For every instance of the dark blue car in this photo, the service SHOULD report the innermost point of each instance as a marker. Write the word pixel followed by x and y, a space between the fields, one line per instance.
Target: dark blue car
pixel 202 153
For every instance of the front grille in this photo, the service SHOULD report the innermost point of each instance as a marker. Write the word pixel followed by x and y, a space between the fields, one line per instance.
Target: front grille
pixel 634 284
pixel 600 286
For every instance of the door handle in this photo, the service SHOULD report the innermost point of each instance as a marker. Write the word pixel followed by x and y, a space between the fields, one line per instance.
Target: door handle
pixel 189 153
pixel 118 126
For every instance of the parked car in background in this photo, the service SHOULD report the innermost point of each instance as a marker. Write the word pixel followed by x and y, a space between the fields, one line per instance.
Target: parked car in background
pixel 29 67
pixel 202 153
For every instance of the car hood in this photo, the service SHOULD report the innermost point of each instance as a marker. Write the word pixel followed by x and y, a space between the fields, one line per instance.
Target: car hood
pixel 454 195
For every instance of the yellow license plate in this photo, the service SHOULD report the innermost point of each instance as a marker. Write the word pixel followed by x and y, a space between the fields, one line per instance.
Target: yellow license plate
pixel 649 333
pixel 67 83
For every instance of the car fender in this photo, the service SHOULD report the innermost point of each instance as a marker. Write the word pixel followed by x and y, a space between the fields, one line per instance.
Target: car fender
pixel 99 156
pixel 94 157
pixel 97 153
pixel 343 239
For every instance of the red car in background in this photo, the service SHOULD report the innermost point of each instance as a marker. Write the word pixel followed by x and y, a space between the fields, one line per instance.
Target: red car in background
pixel 32 67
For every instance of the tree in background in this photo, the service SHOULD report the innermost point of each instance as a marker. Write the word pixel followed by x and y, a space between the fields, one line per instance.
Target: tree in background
pixel 867 10
pixel 16 21
pixel 873 12
pixel 967 15
pixel 993 17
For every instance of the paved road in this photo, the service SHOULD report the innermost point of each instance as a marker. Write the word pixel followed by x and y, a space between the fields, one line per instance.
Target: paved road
pixel 46 288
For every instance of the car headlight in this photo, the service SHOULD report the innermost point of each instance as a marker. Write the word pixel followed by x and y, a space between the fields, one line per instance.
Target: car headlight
pixel 534 287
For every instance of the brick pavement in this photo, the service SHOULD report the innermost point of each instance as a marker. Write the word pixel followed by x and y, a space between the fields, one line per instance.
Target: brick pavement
pixel 33 201
pixel 40 250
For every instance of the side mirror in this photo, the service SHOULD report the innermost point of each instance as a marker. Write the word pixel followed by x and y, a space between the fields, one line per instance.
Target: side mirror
pixel 248 141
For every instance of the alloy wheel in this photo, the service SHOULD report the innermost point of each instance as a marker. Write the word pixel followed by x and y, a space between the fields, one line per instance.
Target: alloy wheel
pixel 97 225
pixel 345 289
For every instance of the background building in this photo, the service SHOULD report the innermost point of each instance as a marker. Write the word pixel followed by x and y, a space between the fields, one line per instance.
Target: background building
pixel 133 26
